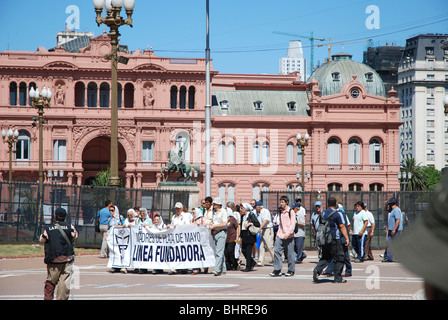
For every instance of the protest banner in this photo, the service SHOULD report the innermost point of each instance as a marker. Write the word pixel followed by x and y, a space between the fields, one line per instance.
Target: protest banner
pixel 183 247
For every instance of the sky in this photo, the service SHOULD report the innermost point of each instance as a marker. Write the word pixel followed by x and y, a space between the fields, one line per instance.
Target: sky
pixel 243 36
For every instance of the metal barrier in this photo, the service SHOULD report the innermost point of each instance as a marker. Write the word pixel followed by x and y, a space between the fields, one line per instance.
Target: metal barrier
pixel 22 223
pixel 412 204
pixel 19 207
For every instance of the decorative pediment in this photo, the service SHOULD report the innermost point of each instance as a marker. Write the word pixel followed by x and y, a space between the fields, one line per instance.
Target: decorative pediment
pixel 60 65
pixel 149 67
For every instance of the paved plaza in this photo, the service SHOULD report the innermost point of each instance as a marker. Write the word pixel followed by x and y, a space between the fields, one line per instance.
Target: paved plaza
pixel 23 279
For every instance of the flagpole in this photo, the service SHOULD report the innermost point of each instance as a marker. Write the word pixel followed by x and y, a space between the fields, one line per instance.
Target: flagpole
pixel 208 173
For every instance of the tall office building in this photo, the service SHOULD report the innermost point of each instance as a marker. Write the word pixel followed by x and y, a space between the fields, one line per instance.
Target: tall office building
pixel 384 60
pixel 294 60
pixel 422 86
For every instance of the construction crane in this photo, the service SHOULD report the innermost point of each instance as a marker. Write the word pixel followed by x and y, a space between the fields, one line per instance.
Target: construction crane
pixel 311 38
pixel 329 44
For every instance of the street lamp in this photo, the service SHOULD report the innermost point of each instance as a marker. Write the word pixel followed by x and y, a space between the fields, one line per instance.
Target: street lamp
pixel 55 174
pixel 10 137
pixel 114 20
pixel 404 178
pixel 302 142
pixel 40 101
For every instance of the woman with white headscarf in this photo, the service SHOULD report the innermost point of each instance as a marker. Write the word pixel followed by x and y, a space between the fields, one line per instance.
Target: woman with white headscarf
pixel 247 238
pixel 131 219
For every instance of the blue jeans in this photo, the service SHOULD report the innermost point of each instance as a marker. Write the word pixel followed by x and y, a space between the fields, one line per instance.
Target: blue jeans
pixel 388 256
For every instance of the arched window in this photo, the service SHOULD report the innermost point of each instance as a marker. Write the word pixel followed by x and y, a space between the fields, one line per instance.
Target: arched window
pixel 355 187
pixel 23 94
pixel 222 192
pixel 334 187
pixel 299 155
pixel 256 192
pixel 376 187
pixel 183 141
pixel 333 151
pixel 290 153
pixel 375 151
pixel 129 95
pixel 92 95
pixel 23 146
pixel 191 97
pixel 183 97
pixel 80 94
pixel 119 94
pixel 222 152
pixel 256 153
pixel 13 94
pixel 231 152
pixel 231 193
pixel 173 97
pixel 34 86
pixel 354 151
pixel 104 95
pixel 265 195
pixel 265 153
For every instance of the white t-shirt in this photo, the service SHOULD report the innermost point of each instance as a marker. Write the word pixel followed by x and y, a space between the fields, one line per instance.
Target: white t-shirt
pixel 370 217
pixel 265 214
pixel 182 218
pixel 358 222
pixel 300 217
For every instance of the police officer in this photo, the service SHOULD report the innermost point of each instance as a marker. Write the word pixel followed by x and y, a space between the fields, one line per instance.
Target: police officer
pixel 59 256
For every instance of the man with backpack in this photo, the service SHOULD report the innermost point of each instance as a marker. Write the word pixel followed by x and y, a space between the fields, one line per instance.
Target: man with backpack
pixel 331 236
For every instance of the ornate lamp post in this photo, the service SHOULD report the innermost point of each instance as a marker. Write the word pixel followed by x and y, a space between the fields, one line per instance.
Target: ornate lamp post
pixel 302 142
pixel 10 137
pixel 40 101
pixel 404 178
pixel 113 20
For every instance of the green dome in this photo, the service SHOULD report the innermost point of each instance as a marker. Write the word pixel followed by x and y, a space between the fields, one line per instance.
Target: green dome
pixel 334 74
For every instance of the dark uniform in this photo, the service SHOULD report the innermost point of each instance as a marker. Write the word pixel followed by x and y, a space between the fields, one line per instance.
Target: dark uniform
pixel 59 257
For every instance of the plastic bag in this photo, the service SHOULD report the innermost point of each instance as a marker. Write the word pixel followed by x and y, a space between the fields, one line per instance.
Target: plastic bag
pixel 258 241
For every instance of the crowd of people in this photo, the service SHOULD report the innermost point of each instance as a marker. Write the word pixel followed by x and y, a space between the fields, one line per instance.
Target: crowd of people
pixel 250 230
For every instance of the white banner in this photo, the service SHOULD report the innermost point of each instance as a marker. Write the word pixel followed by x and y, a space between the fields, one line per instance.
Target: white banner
pixel 184 247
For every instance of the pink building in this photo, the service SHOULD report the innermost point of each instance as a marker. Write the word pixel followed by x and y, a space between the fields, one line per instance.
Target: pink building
pixel 353 127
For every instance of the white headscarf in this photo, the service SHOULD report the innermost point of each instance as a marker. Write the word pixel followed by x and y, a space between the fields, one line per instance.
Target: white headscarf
pixel 117 212
pixel 247 206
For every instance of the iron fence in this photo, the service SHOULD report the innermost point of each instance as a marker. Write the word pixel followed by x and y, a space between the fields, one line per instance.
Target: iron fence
pixel 22 222
pixel 412 204
pixel 19 207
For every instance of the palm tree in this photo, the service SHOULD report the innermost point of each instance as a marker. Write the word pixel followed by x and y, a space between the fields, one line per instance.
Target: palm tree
pixel 418 179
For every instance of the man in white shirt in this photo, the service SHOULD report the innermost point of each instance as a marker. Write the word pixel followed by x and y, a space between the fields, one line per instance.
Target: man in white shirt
pixel 266 232
pixel 299 236
pixel 178 217
pixel 219 233
pixel 368 255
pixel 360 222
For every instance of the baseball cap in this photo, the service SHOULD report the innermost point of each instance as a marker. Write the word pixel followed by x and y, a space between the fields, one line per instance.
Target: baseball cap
pixel 178 205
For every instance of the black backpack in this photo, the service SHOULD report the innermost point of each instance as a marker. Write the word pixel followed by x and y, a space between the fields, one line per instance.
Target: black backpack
pixel 323 234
